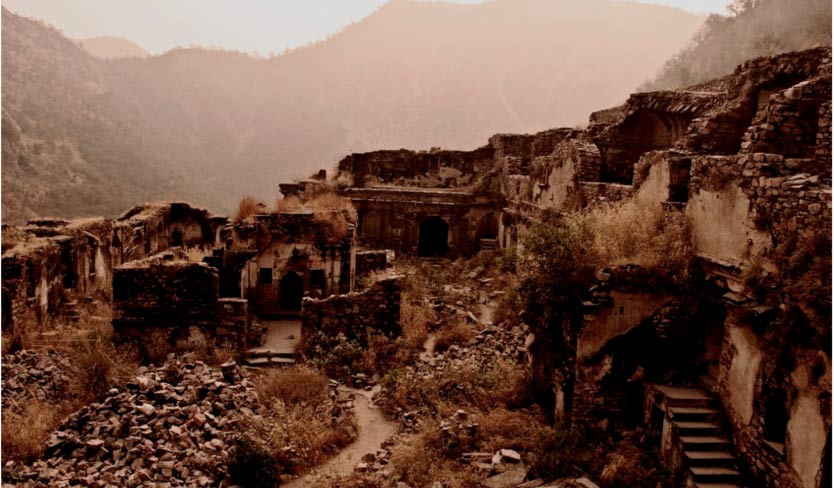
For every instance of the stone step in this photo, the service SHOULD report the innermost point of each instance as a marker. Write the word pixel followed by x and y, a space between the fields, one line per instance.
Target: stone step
pixel 708 382
pixel 710 458
pixel 717 485
pixel 268 353
pixel 704 443
pixel 263 362
pixel 687 428
pixel 715 474
pixel 694 413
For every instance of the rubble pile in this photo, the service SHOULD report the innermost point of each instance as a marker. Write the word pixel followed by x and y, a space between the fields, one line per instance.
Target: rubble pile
pixel 34 375
pixel 171 426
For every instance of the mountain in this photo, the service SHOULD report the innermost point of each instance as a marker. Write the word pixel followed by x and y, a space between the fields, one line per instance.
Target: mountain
pixel 83 135
pixel 754 28
pixel 109 47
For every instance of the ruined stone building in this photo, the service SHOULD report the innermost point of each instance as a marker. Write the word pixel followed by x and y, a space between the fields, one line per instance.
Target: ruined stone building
pixel 730 373
pixel 747 160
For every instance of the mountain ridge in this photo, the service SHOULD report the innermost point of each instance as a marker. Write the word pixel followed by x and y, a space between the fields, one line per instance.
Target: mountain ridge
pixel 215 125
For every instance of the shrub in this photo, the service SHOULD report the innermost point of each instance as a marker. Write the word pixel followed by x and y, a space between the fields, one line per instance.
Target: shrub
pixel 26 432
pixel 555 453
pixel 641 233
pixel 628 466
pixel 247 207
pixel 415 319
pixel 98 366
pixel 457 332
pixel 336 355
pixel 251 464
pixel 303 435
pixel 298 384
pixel 289 204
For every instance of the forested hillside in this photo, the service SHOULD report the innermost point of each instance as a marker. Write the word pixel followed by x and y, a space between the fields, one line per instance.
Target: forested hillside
pixel 84 135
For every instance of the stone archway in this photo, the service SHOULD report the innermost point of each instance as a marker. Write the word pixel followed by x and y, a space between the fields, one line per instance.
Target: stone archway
pixel 291 290
pixel 434 237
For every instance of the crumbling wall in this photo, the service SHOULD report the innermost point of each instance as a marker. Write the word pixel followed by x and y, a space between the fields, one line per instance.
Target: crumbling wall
pixel 789 123
pixel 290 255
pixel 175 299
pixel 751 372
pixel 56 263
pixel 377 308
pixel 426 169
pixel 369 261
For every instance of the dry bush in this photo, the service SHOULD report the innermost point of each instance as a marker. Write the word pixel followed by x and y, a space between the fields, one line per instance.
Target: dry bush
pixel 247 207
pixel 419 461
pixel 25 433
pixel 99 366
pixel 629 466
pixel 298 384
pixel 289 204
pixel 456 333
pixel 415 319
pixel 473 385
pixel 507 429
pixel 304 435
pixel 635 232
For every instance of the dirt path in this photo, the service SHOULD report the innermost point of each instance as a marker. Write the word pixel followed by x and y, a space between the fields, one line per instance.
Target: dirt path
pixel 374 429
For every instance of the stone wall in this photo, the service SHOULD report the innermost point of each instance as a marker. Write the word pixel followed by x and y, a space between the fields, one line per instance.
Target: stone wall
pixel 50 265
pixel 377 308
pixel 369 261
pixel 166 293
pixel 750 374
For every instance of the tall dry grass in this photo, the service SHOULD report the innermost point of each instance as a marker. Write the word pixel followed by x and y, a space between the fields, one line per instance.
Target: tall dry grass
pixel 302 429
pixel 247 207
pixel 332 212
pixel 298 384
pixel 635 232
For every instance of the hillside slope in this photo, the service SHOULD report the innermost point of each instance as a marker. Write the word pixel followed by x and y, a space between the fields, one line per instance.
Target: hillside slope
pixel 109 47
pixel 755 28
pixel 210 125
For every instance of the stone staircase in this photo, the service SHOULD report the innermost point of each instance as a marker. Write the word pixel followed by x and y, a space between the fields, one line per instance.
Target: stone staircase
pixel 260 356
pixel 279 343
pixel 489 244
pixel 698 434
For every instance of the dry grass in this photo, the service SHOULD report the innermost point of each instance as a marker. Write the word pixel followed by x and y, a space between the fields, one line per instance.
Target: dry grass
pixel 295 385
pixel 289 204
pixel 457 332
pixel 634 232
pixel 419 461
pixel 472 385
pixel 332 212
pixel 415 318
pixel 301 430
pixel 247 207
pixel 25 432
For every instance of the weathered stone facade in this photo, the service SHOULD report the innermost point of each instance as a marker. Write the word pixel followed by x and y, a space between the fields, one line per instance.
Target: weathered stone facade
pixel 747 160
pixel 376 308
pixel 177 299
pixel 51 262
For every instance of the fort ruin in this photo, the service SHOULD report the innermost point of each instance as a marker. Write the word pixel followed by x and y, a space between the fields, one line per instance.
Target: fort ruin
pixel 721 373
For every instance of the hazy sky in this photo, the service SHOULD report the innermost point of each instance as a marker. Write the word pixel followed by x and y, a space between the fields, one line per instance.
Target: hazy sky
pixel 252 26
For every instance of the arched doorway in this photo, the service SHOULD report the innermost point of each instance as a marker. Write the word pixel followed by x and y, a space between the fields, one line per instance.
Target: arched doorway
pixel 434 237
pixel 291 291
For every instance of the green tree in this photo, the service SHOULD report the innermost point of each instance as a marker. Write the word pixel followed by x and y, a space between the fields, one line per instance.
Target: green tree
pixel 558 263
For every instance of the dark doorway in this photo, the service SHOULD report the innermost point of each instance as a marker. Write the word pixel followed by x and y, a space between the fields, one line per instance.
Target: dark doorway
pixel 434 237
pixel 292 289
pixel 776 417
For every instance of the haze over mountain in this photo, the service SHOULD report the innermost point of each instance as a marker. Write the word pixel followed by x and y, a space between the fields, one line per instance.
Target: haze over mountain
pixel 109 47
pixel 82 135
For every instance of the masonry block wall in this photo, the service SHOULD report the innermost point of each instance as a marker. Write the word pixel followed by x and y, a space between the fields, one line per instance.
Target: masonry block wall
pixel 377 308
pixel 52 261
pixel 164 293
